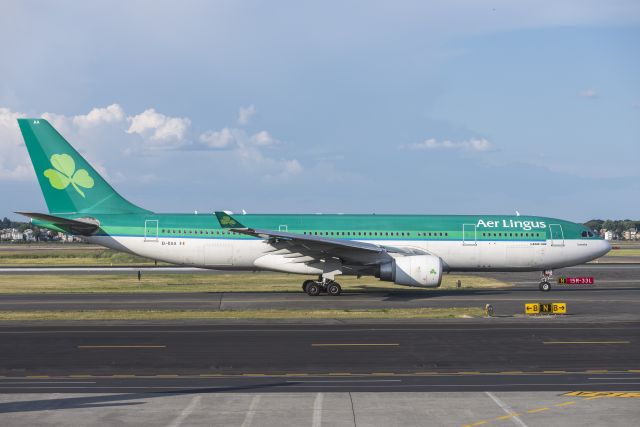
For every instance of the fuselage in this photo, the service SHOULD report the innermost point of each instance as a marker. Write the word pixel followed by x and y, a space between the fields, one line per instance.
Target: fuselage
pixel 463 242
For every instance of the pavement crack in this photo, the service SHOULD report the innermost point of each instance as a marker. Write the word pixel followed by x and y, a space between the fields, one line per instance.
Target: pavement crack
pixel 353 412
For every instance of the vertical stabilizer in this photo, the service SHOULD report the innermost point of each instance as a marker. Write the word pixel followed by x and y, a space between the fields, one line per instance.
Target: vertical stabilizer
pixel 68 182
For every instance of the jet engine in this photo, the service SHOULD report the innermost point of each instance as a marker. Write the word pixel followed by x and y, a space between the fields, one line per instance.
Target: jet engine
pixel 424 271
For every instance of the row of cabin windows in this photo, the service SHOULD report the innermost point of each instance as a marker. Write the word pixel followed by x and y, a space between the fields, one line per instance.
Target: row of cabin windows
pixel 369 233
pixel 172 231
pixel 355 233
pixel 511 234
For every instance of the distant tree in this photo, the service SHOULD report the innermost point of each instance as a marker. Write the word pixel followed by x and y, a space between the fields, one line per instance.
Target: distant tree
pixel 594 224
pixel 5 223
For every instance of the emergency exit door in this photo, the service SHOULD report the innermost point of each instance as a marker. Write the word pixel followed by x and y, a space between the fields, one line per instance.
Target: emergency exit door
pixel 151 230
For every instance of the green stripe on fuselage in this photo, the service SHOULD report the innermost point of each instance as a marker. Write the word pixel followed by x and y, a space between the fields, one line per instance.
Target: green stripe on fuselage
pixel 358 227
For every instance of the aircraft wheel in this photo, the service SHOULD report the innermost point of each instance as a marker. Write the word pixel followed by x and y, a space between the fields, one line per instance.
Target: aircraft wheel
pixel 313 289
pixel 545 286
pixel 334 289
pixel 305 284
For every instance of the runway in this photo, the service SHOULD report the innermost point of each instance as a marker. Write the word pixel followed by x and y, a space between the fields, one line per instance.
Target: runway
pixel 463 355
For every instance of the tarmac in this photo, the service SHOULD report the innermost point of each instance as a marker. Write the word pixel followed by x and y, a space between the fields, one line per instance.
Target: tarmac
pixel 575 370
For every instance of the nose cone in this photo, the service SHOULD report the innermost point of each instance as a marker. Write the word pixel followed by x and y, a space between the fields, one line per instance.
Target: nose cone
pixel 602 248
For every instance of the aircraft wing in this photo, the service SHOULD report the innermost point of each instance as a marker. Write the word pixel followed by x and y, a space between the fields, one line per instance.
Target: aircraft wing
pixel 350 251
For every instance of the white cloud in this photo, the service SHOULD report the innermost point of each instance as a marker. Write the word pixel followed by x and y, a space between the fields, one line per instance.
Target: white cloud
pixel 218 139
pixel 111 114
pixel 589 94
pixel 473 144
pixel 14 160
pixel 272 169
pixel 292 167
pixel 263 139
pixel 245 114
pixel 160 131
pixel 104 134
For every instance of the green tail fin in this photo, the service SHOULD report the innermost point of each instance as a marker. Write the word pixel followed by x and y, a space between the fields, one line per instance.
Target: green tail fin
pixel 227 221
pixel 68 182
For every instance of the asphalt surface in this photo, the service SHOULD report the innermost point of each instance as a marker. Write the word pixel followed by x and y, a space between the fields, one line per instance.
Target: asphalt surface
pixel 463 355
pixel 574 370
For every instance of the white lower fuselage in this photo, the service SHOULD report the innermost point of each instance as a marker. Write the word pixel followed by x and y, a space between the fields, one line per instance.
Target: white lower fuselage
pixel 256 254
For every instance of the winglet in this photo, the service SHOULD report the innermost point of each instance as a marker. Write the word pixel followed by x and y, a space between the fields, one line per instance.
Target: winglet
pixel 227 221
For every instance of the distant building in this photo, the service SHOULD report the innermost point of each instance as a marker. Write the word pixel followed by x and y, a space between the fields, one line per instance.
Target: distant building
pixel 610 235
pixel 630 234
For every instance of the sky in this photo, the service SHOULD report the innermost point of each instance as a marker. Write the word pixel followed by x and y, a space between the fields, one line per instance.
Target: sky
pixel 416 107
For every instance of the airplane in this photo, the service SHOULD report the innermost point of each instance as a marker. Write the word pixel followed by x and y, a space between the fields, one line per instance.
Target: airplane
pixel 410 250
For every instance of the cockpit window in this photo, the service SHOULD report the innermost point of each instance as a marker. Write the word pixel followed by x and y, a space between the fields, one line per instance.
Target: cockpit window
pixel 590 234
pixel 584 234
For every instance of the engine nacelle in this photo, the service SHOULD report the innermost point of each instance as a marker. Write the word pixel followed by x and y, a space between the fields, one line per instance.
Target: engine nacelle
pixel 424 271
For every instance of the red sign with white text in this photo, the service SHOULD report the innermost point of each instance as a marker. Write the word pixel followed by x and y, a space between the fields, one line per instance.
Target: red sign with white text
pixel 576 280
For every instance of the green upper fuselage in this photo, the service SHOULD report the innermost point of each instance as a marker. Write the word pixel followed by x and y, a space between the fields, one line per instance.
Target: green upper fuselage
pixel 356 227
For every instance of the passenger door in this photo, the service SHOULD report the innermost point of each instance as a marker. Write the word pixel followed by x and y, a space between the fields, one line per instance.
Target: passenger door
pixel 469 235
pixel 151 230
pixel 556 235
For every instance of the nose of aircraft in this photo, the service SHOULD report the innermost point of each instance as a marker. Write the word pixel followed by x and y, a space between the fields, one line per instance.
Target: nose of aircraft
pixel 602 248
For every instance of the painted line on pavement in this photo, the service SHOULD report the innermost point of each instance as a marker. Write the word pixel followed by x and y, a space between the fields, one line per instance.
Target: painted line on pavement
pixel 586 342
pixel 354 345
pixel 120 346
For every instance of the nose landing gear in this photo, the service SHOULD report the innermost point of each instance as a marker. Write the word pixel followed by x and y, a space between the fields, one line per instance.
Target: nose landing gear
pixel 315 287
pixel 545 280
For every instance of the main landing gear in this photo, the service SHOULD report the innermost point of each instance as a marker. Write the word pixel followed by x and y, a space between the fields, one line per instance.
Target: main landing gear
pixel 315 287
pixel 545 280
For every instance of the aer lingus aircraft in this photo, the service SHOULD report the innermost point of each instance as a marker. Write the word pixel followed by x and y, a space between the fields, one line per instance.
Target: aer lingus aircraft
pixel 411 250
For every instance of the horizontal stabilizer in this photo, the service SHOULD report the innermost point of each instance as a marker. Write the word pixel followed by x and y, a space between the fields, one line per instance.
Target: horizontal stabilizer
pixel 79 226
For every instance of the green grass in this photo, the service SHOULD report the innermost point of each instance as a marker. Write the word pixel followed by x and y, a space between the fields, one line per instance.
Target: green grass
pixel 206 282
pixel 413 313
pixel 624 252
pixel 73 256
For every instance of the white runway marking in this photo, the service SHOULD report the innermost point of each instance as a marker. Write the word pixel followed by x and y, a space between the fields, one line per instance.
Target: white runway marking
pixel 248 419
pixel 186 412
pixel 317 410
pixel 506 408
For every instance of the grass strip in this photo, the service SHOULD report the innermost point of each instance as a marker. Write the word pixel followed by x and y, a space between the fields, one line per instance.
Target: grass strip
pixel 393 313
